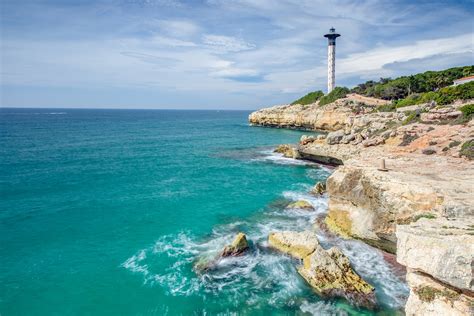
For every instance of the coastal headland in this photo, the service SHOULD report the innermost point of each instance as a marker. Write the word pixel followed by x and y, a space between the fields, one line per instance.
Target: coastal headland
pixel 404 183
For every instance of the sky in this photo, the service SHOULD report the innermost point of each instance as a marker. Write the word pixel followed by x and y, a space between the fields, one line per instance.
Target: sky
pixel 216 54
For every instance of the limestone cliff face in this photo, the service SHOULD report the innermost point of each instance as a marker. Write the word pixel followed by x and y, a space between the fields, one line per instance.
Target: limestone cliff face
pixel 301 116
pixel 329 117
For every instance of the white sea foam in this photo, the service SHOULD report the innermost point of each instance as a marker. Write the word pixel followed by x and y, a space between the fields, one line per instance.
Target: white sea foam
pixel 277 158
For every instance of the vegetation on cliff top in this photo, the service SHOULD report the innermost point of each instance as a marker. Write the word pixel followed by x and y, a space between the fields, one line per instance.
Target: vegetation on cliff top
pixel 400 88
pixel 309 98
pixel 406 90
pixel 443 96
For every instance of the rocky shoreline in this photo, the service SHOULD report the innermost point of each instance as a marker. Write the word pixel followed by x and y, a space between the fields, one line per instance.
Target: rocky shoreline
pixel 405 184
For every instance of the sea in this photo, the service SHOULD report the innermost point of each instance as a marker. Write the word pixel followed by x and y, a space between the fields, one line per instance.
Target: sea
pixel 106 212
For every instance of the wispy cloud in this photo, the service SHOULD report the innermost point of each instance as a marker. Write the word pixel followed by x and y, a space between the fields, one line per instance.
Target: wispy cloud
pixel 224 44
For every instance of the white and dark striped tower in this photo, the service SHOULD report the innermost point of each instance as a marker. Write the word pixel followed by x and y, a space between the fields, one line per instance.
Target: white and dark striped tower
pixel 332 35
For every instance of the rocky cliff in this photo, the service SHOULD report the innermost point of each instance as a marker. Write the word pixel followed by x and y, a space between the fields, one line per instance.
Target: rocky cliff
pixel 405 185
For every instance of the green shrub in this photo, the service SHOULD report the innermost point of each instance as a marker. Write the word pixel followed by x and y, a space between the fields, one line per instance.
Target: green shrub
pixel 442 97
pixel 467 149
pixel 467 110
pixel 309 98
pixel 336 93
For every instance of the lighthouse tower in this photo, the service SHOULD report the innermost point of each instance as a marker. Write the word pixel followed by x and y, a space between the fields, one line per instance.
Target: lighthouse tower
pixel 332 35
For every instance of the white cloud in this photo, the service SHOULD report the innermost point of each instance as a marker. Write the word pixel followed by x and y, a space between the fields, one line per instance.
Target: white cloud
pixel 375 59
pixel 223 44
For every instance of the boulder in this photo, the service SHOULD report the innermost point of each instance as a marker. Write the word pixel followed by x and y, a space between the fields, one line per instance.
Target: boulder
pixel 319 188
pixel 330 274
pixel 335 137
pixel 373 141
pixel 238 246
pixel 301 204
pixel 295 244
pixel 348 138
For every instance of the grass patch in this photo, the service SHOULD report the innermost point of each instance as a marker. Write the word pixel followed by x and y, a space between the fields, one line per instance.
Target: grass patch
pixel 309 98
pixel 424 215
pixel 412 117
pixel 428 294
pixel 336 93
pixel 467 149
pixel 386 108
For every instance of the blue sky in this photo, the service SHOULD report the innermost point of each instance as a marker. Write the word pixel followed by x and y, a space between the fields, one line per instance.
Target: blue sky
pixel 216 54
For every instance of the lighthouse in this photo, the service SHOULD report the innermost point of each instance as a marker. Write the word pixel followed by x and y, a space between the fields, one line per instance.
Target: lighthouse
pixel 332 35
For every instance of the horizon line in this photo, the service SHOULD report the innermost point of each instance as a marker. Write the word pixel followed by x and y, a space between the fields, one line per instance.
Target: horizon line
pixel 155 109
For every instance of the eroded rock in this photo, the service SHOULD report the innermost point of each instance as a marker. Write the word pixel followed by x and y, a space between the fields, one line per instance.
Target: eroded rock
pixel 330 274
pixel 238 246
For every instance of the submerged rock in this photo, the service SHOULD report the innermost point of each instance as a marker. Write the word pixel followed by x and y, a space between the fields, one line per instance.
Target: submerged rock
pixel 319 188
pixel 295 244
pixel 330 274
pixel 238 246
pixel 301 204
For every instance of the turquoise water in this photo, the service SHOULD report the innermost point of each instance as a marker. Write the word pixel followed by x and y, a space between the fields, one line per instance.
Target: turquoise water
pixel 104 212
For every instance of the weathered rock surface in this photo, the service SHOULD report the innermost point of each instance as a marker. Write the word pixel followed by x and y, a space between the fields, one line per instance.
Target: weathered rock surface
pixel 439 115
pixel 431 298
pixel 295 244
pixel 301 204
pixel 329 117
pixel 238 246
pixel 441 248
pixel 330 274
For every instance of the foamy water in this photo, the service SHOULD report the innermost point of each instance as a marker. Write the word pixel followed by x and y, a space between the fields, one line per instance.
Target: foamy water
pixel 263 276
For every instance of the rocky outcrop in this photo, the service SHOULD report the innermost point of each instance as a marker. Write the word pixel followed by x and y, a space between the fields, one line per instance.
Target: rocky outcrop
pixel 296 244
pixel 301 204
pixel 287 151
pixel 327 271
pixel 330 274
pixel 329 117
pixel 238 246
